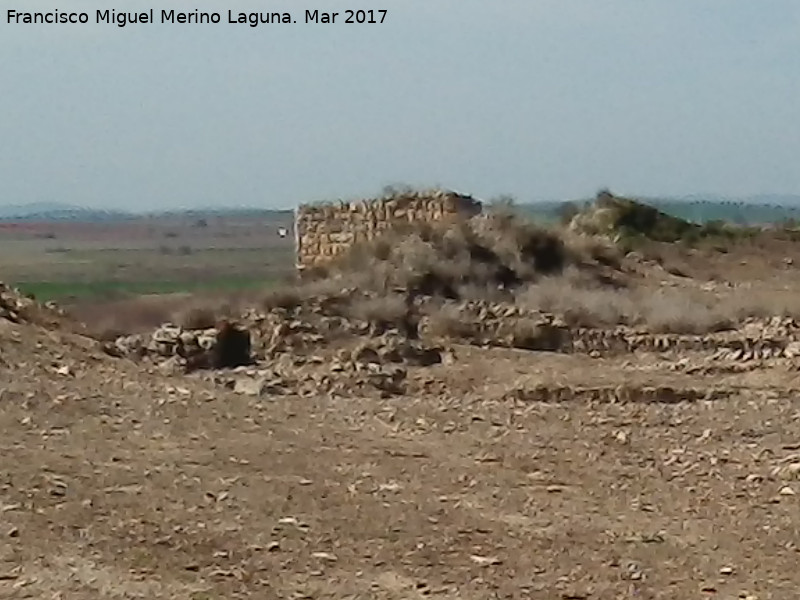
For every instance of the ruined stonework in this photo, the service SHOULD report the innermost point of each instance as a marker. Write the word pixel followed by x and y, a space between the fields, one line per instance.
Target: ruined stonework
pixel 325 231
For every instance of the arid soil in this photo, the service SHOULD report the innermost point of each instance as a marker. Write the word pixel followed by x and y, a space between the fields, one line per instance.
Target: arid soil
pixel 357 466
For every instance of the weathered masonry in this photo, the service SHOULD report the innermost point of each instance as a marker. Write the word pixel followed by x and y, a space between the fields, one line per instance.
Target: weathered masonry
pixel 325 231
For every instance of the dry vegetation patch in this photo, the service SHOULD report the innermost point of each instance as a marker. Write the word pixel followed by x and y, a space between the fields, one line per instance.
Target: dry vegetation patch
pixel 498 250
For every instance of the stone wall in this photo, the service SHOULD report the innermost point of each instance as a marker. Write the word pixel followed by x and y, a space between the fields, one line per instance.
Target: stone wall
pixel 325 231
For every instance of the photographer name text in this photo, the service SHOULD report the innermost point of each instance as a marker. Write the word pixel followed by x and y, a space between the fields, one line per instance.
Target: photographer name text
pixel 192 17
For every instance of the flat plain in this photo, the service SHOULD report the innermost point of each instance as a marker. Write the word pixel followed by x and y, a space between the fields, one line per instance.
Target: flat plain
pixel 70 259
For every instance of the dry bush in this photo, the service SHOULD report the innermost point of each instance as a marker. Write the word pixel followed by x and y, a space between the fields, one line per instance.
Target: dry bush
pixel 448 321
pixel 630 219
pixel 285 297
pixel 531 334
pixel 759 303
pixel 388 309
pixel 487 293
pixel 670 310
pixel 597 249
pixel 383 313
pixel 108 320
pixel 697 312
pixel 196 317
pixel 497 251
pixel 676 311
pixel 290 296
pixel 663 311
pixel 580 305
pixel 526 247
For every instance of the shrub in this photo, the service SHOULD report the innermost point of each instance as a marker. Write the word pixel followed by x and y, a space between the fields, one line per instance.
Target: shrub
pixel 197 317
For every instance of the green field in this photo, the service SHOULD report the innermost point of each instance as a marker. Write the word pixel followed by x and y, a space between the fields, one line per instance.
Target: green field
pixel 74 262
pixel 82 290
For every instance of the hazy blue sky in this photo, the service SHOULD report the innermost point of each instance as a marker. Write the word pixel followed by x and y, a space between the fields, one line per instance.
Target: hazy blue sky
pixel 542 99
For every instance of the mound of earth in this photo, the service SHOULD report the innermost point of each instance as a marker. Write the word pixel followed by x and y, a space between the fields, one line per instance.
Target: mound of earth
pixel 613 216
pixel 41 348
pixel 19 308
pixel 332 329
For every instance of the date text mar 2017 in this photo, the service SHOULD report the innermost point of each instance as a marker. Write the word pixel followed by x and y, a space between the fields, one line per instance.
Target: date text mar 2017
pixel 346 16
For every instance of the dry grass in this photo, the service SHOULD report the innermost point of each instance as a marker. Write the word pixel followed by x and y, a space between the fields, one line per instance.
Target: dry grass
pixel 389 308
pixel 197 317
pixel 106 320
pixel 382 313
pixel 333 296
pixel 285 297
pixel 531 334
pixel 580 306
pixel 496 251
pixel 448 322
pixel 673 311
pixel 662 310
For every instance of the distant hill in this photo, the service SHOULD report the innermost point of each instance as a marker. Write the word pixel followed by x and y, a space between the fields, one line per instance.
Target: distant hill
pixel 55 212
pixel 752 210
pixel 786 200
pixel 197 213
pixel 739 212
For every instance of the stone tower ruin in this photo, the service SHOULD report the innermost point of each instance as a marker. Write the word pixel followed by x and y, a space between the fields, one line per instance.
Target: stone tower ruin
pixel 325 231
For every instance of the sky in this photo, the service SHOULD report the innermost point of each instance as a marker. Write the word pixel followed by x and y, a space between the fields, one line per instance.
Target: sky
pixel 538 99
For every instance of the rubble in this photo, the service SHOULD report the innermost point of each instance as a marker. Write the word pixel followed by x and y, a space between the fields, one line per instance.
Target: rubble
pixel 19 308
pixel 227 345
pixel 622 394
pixel 322 350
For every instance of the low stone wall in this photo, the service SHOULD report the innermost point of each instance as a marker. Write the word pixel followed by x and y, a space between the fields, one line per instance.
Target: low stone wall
pixel 325 231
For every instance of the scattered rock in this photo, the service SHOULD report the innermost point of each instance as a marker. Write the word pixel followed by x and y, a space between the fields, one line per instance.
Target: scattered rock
pixel 250 386
pixel 485 561
pixel 326 556
pixel 225 346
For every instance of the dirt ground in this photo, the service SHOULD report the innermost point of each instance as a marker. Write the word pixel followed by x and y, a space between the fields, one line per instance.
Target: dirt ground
pixel 118 481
